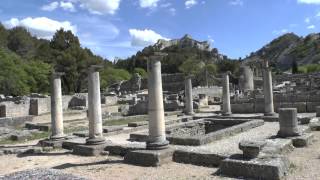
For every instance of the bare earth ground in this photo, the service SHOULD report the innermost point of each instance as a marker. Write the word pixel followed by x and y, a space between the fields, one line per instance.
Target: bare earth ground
pixel 306 165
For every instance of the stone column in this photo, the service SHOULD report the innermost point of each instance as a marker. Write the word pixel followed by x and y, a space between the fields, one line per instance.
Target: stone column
pixel 318 111
pixel 226 107
pixel 188 97
pixel 157 137
pixel 246 79
pixel 288 122
pixel 94 107
pixel 268 91
pixel 56 106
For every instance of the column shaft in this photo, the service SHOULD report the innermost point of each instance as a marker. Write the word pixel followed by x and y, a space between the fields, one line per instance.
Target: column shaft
pixel 157 136
pixel 268 91
pixel 226 108
pixel 56 107
pixel 94 108
pixel 188 98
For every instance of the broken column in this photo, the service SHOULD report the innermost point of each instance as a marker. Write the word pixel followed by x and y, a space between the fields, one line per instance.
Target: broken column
pixel 226 107
pixel 157 137
pixel 288 122
pixel 188 98
pixel 246 79
pixel 94 107
pixel 268 91
pixel 56 106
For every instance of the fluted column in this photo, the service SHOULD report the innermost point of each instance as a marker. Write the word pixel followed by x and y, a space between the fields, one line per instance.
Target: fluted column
pixel 157 137
pixel 226 107
pixel 56 106
pixel 188 96
pixel 94 107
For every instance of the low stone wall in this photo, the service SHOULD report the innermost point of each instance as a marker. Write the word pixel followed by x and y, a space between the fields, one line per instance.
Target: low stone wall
pixel 11 109
pixel 303 103
pixel 212 91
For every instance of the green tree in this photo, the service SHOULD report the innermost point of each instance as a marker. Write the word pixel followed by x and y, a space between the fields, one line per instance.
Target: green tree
pixel 141 72
pixel 294 67
pixel 21 42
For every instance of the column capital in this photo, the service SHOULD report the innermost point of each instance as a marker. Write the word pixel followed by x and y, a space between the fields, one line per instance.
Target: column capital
pixel 157 56
pixel 58 74
pixel 94 68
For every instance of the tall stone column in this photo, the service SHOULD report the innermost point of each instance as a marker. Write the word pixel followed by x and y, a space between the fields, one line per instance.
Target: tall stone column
pixel 94 107
pixel 157 136
pixel 268 91
pixel 246 81
pixel 226 106
pixel 56 106
pixel 188 98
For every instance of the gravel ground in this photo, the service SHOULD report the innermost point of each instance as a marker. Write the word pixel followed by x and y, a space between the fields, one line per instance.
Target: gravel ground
pixel 40 174
pixel 230 145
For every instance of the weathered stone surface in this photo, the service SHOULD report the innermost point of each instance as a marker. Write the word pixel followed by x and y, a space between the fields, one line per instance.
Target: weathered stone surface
pixel 288 122
pixel 137 124
pixel 20 135
pixel 268 168
pixel 108 129
pixel 198 158
pixel 149 157
pixel 89 150
pixel 315 126
pixel 251 149
pixel 303 140
pixel 318 111
pixel 122 150
pixel 277 146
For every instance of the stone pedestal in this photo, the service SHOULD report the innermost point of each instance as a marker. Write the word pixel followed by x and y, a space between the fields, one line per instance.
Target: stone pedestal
pixel 226 107
pixel 268 91
pixel 288 122
pixel 56 107
pixel 188 98
pixel 157 137
pixel 94 108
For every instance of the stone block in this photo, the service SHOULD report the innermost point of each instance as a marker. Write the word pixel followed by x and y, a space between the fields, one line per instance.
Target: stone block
pixel 108 129
pixel 137 124
pixel 122 150
pixel 149 157
pixel 89 150
pixel 198 158
pixel 268 167
pixel 315 126
pixel 243 108
pixel 251 149
pixel 311 106
pixel 288 122
pixel 277 146
pixel 303 140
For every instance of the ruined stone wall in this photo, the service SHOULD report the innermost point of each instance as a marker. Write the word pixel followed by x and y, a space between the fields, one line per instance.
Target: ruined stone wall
pixel 303 102
pixel 212 91
pixel 12 109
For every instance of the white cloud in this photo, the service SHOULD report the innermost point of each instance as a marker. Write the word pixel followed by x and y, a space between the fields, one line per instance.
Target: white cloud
pixel 236 3
pixel 311 27
pixel 50 7
pixel 172 11
pixel 148 3
pixel 144 37
pixel 67 6
pixel 309 1
pixel 101 6
pixel 40 27
pixel 307 20
pixel 190 3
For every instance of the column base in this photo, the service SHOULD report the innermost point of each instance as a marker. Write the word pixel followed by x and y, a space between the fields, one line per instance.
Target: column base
pixel 57 137
pixel 95 141
pixel 271 114
pixel 157 145
pixel 189 113
pixel 226 114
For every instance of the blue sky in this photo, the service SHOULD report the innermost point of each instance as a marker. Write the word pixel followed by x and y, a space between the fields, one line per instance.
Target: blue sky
pixel 119 28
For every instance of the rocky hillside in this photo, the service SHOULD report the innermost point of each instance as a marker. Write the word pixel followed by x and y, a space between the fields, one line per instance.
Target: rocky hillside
pixel 286 49
pixel 178 50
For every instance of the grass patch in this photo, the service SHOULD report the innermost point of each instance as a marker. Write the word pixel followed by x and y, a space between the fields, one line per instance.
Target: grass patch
pixel 73 129
pixel 124 121
pixel 35 136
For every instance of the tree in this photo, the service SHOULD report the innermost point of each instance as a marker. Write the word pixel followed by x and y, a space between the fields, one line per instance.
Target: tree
pixel 191 67
pixel 141 72
pixel 21 42
pixel 3 36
